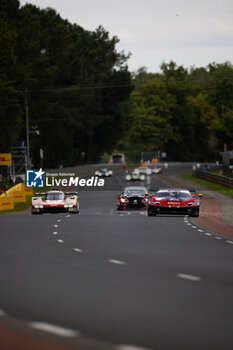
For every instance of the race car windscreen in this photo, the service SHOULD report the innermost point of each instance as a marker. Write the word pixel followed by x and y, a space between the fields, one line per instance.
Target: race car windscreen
pixel 174 195
pixel 54 196
pixel 130 193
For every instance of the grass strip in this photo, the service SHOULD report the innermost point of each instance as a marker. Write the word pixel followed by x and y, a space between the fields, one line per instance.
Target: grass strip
pixel 210 185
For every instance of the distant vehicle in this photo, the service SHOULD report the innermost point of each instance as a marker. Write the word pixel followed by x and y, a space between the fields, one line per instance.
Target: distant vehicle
pixel 103 172
pixel 133 197
pixel 173 201
pixel 134 176
pixel 55 201
pixel 143 170
pixel 117 158
pixel 156 169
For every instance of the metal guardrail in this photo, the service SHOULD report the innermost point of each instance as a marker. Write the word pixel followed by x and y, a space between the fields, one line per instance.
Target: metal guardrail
pixel 219 179
pixel 86 168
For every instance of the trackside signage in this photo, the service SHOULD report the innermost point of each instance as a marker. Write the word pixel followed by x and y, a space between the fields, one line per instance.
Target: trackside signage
pixel 5 159
pixel 38 178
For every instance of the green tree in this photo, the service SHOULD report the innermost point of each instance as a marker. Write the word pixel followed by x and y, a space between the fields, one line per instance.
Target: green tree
pixel 151 113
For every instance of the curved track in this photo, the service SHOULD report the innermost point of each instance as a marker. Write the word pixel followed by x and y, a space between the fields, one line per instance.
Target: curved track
pixel 105 279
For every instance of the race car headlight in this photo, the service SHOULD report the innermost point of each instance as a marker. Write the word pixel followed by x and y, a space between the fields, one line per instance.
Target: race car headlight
pixel 41 207
pixel 123 200
pixel 66 206
pixel 70 205
pixel 154 202
pixel 145 200
pixel 128 177
pixel 193 203
pixel 36 206
pixel 142 177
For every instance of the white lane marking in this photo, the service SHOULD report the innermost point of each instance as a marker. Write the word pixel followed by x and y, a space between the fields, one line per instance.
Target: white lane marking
pixel 117 262
pixel 217 237
pixel 55 232
pixel 55 225
pixel 2 313
pixel 129 347
pixel 58 220
pixel 78 250
pixel 231 242
pixel 193 226
pixel 208 234
pixel 67 216
pixel 50 328
pixel 189 277
pixel 188 223
pixel 200 230
pixel 60 240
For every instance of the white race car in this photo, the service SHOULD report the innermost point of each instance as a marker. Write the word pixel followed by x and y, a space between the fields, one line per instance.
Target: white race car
pixel 135 176
pixel 143 170
pixel 103 172
pixel 156 169
pixel 55 201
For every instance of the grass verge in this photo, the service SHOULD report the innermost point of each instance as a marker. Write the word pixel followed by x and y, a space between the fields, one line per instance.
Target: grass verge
pixel 210 185
pixel 18 206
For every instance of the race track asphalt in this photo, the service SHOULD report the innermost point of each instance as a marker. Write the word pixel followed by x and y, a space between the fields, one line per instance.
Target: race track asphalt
pixel 105 279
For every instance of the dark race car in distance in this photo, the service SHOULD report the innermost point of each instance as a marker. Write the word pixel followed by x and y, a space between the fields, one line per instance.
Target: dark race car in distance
pixel 132 197
pixel 173 201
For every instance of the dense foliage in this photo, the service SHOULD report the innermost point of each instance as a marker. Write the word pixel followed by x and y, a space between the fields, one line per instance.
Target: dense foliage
pixel 85 102
pixel 188 114
pixel 75 81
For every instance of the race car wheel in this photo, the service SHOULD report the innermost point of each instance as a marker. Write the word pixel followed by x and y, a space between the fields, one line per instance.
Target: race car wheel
pixel 151 213
pixel 194 215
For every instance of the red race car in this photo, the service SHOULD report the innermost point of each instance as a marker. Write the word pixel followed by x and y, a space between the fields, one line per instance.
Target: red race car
pixel 173 201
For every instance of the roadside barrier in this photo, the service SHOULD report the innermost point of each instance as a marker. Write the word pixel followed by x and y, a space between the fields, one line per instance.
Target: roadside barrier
pixel 16 194
pixel 6 203
pixel 219 179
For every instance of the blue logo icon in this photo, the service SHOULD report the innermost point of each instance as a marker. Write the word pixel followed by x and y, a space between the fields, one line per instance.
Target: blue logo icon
pixel 35 178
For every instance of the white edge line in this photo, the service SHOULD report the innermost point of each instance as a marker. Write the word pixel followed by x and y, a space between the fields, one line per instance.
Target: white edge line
pixel 231 242
pixel 50 328
pixel 55 233
pixel 60 240
pixel 78 250
pixel 189 277
pixel 113 261
pixel 129 347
